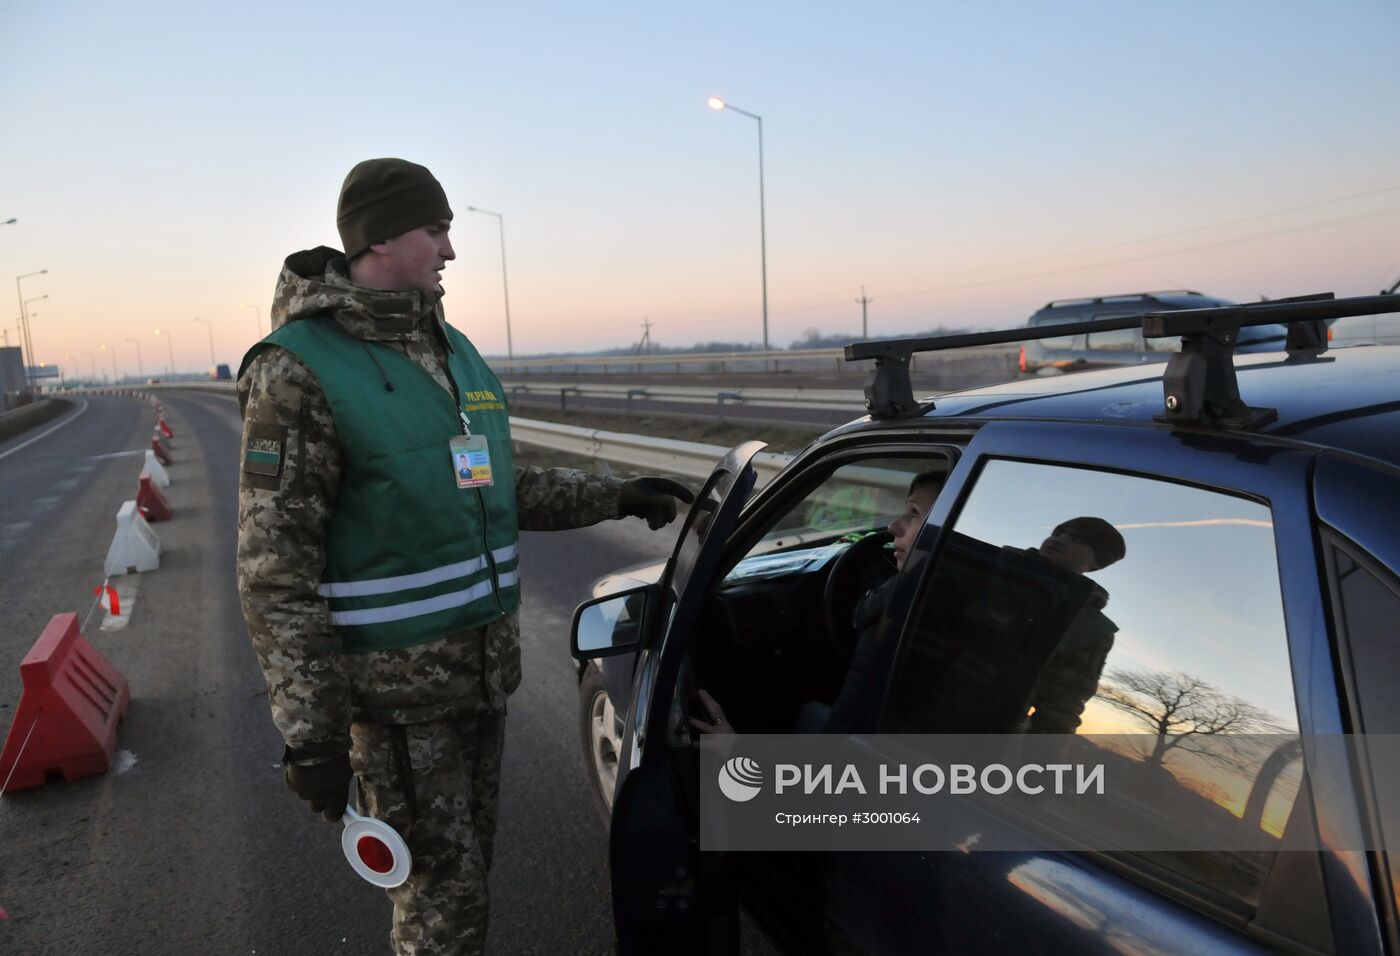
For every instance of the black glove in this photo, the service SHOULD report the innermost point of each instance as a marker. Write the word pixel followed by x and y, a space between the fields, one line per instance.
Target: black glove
pixel 653 499
pixel 326 785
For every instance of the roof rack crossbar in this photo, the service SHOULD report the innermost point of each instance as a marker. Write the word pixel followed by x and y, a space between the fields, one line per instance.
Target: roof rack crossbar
pixel 1199 383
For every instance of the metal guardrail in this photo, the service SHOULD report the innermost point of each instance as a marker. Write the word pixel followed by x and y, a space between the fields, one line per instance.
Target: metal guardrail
pixel 647 452
pixel 686 458
pixel 718 360
pixel 840 399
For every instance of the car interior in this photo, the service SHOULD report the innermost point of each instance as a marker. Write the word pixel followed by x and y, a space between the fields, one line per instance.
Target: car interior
pixel 776 631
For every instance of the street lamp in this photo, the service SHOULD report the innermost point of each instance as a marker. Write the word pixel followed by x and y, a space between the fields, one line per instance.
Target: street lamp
pixel 718 104
pixel 505 285
pixel 257 316
pixel 170 344
pixel 113 351
pixel 28 346
pixel 210 323
pixel 92 363
pixel 140 372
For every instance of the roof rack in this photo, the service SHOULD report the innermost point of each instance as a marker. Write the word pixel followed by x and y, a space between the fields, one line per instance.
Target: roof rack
pixel 1199 385
pixel 1122 297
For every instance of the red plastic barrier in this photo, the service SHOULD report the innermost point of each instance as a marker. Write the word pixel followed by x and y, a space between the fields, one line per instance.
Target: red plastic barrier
pixel 66 722
pixel 164 428
pixel 162 455
pixel 150 502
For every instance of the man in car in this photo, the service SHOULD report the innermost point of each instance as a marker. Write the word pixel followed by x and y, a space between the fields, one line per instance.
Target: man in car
pixel 381 592
pixel 857 705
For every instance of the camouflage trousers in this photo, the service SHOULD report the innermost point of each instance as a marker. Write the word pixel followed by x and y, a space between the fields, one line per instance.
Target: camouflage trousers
pixel 436 783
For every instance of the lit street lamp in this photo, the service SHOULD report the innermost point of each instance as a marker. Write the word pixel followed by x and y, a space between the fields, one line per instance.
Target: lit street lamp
pixel 113 352
pixel 209 323
pixel 718 104
pixel 505 285
pixel 140 372
pixel 170 344
pixel 24 320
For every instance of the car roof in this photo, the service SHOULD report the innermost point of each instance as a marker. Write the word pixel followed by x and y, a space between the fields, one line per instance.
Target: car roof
pixel 1347 399
pixel 1130 303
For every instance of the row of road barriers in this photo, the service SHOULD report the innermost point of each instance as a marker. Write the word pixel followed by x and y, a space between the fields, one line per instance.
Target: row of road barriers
pixel 72 698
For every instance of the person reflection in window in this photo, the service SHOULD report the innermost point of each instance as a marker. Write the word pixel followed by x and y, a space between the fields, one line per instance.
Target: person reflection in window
pixel 1071 676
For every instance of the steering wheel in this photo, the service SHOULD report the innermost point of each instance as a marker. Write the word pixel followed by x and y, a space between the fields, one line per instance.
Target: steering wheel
pixel 862 567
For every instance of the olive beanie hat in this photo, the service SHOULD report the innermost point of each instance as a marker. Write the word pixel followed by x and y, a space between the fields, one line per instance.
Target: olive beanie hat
pixel 384 198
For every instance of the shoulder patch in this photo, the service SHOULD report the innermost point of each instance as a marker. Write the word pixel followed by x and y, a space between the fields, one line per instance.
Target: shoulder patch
pixel 264 450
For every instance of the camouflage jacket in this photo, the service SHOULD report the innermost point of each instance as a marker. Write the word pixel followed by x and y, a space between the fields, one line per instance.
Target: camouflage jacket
pixel 315 690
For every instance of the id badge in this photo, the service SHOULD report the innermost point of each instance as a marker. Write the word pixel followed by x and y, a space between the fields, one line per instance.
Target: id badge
pixel 471 461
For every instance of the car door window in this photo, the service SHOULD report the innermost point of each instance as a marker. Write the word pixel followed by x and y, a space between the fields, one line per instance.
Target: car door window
pixel 856 498
pixel 1060 342
pixel 1073 601
pixel 1113 340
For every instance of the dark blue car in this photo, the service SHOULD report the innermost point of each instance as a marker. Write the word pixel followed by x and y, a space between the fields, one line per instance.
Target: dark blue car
pixel 1256 596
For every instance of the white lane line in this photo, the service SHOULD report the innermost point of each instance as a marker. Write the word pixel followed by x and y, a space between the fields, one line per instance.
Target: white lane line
pixel 118 454
pixel 6 454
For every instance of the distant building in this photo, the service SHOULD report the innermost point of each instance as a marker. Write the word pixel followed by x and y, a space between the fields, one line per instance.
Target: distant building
pixel 12 384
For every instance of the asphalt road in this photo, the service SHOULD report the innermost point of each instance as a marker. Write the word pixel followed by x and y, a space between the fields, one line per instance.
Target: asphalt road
pixel 196 846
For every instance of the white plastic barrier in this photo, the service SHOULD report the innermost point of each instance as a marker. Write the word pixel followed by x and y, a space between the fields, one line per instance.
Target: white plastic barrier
pixel 135 546
pixel 155 469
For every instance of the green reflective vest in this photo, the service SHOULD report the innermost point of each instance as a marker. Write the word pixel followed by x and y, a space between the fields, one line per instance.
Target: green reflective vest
pixel 410 556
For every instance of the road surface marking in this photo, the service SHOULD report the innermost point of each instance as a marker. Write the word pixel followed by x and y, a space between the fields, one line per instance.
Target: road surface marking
pixel 83 408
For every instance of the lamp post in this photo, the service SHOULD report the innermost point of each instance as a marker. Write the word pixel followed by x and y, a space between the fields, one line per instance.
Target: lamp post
pixel 718 104
pixel 29 341
pixel 113 353
pixel 505 284
pixel 257 316
pixel 24 321
pixel 92 363
pixel 210 324
pixel 140 372
pixel 170 344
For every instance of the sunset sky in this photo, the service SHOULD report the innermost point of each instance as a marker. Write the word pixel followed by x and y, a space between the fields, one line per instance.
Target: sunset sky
pixel 964 162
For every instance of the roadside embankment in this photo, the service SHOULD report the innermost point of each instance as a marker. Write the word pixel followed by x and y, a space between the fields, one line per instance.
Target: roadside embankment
pixel 19 420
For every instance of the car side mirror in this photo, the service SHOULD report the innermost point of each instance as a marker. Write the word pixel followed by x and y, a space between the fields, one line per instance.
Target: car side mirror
pixel 611 625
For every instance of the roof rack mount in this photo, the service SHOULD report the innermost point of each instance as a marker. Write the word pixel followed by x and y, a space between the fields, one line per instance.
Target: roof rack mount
pixel 1199 385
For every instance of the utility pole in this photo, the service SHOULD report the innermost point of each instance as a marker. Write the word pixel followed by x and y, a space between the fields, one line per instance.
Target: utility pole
pixel 645 344
pixel 864 315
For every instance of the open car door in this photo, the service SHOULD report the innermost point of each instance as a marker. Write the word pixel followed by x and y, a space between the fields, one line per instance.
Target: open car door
pixel 662 899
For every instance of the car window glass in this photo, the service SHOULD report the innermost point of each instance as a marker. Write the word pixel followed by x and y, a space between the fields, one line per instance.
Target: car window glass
pixel 1058 342
pixel 855 499
pixel 1177 637
pixel 1114 340
pixel 1369 609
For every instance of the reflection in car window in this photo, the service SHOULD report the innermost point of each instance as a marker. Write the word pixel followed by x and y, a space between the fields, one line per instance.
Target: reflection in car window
pixel 1159 617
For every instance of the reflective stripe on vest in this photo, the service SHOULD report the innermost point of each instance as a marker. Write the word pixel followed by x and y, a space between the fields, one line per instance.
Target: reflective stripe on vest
pixel 422 579
pixel 398 612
